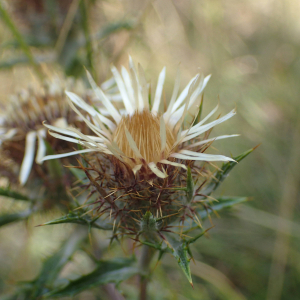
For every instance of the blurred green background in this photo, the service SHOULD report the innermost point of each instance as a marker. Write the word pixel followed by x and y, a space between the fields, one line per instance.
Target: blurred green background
pixel 251 48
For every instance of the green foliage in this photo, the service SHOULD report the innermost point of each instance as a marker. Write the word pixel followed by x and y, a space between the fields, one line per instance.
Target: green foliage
pixel 80 217
pixel 14 217
pixel 54 264
pixel 149 228
pixel 179 249
pixel 7 192
pixel 220 204
pixel 180 252
pixel 111 271
pixel 221 174
pixel 50 269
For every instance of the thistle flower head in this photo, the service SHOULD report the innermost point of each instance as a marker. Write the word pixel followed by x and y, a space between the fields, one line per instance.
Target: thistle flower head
pixel 142 136
pixel 142 161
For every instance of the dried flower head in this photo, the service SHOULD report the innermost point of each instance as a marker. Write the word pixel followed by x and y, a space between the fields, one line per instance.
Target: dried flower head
pixel 143 159
pixel 21 128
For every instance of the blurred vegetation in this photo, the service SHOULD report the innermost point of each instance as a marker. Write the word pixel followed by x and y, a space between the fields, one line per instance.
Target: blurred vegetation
pixel 252 50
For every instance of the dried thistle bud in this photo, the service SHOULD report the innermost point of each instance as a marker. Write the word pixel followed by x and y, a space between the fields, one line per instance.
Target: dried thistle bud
pixel 22 134
pixel 137 160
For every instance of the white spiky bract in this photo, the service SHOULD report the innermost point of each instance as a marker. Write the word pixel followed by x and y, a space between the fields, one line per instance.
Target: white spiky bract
pixel 144 135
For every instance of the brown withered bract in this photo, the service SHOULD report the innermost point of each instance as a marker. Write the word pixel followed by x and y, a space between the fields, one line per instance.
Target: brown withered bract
pixel 123 198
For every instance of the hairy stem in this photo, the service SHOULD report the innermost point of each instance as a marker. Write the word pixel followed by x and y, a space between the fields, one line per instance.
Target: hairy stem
pixel 146 257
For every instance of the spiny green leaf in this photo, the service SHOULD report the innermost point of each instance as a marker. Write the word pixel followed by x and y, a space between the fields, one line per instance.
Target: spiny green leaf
pixel 112 271
pixel 13 194
pixel 221 203
pixel 155 246
pixel 220 175
pixel 180 252
pixel 54 264
pixel 195 238
pixel 160 247
pixel 79 217
pixel 10 218
pixel 50 270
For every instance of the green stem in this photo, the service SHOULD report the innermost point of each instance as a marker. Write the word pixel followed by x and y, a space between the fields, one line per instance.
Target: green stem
pixel 146 257
pixel 87 35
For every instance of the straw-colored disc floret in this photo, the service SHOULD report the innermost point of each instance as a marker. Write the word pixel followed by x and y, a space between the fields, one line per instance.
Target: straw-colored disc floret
pixel 144 128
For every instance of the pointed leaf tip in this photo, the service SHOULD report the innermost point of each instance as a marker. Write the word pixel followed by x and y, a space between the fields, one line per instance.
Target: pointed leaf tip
pixel 194 239
pixel 256 146
pixel 80 217
pixel 223 203
pixel 221 174
pixel 180 252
